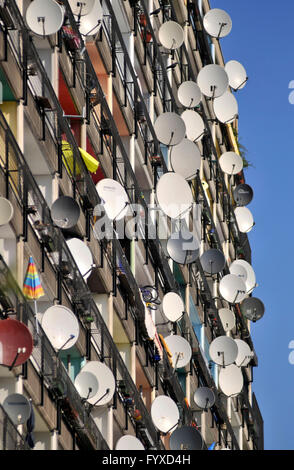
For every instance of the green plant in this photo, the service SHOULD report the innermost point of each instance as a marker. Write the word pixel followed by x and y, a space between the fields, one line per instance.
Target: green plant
pixel 242 150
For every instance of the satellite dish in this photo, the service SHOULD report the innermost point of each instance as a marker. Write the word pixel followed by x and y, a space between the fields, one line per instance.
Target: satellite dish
pixel 185 159
pixel 204 398
pixel 237 75
pixel 227 319
pixel 182 247
pixel 231 380
pixel 195 127
pixel 212 261
pixel 91 22
pixel 244 353
pixel 164 413
pixel 61 326
pixel 226 108
pixel 243 194
pixel 231 163
pixel 223 350
pixel 174 195
pixel 244 219
pixel 6 211
pixel 86 384
pixel 170 129
pixel 213 80
pixel 81 7
pixel 16 343
pixel 114 198
pixel 241 268
pixel 149 325
pixel 171 35
pixel 44 18
pixel 172 306
pixel 82 256
pixel 252 308
pixel 18 408
pixel 129 443
pixel 217 23
pixel 189 94
pixel 180 350
pixel 232 288
pixel 105 380
pixel 186 438
pixel 65 212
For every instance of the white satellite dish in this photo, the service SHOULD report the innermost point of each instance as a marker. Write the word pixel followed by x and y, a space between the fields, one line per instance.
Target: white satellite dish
pixel 237 75
pixel 212 261
pixel 185 159
pixel 90 24
pixel 180 350
pixel 81 7
pixel 86 384
pixel 172 306
pixel 189 94
pixel 18 408
pixel 129 443
pixel 171 35
pixel 231 380
pixel 174 195
pixel 226 108
pixel 232 288
pixel 204 398
pixel 213 80
pixel 244 219
pixel 240 266
pixel 149 324
pixel 170 128
pixel 45 18
pixel 183 248
pixel 114 197
pixel 244 353
pixel 105 380
pixel 165 413
pixel 223 350
pixel 65 212
pixel 194 123
pixel 61 326
pixel 217 23
pixel 82 256
pixel 231 163
pixel 6 211
pixel 227 318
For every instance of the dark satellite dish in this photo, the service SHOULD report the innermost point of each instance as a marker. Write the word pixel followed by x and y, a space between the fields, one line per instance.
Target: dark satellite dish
pixel 65 212
pixel 252 308
pixel 204 398
pixel 16 343
pixel 213 261
pixel 243 194
pixel 18 408
pixel 183 248
pixel 186 438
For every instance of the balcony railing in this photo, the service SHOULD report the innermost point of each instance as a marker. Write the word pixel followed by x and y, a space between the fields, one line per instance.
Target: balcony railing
pixel 10 438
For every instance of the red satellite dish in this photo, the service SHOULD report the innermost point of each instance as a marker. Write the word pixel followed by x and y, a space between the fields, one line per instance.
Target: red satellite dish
pixel 16 343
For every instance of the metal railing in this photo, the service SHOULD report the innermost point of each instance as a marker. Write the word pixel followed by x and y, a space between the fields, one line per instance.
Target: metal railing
pixel 10 438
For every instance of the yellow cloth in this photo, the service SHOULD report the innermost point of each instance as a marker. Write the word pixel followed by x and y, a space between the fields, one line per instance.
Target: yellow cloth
pixel 91 163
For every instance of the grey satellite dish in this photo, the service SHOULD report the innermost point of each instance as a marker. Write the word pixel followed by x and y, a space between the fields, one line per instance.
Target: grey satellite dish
pixel 241 267
pixel 174 195
pixel 185 159
pixel 189 94
pixel 195 128
pixel 232 288
pixel 231 163
pixel 223 350
pixel 212 261
pixel 244 219
pixel 243 194
pixel 237 75
pixel 227 318
pixel 61 326
pixel 105 380
pixel 204 398
pixel 231 380
pixel 129 443
pixel 165 414
pixel 170 129
pixel 114 197
pixel 17 407
pixel 217 23
pixel 180 350
pixel 186 438
pixel 171 35
pixel 82 256
pixel 172 306
pixel 244 353
pixel 65 212
pixel 213 80
pixel 183 248
pixel 90 24
pixel 44 18
pixel 6 211
pixel 81 7
pixel 252 308
pixel 86 384
pixel 226 108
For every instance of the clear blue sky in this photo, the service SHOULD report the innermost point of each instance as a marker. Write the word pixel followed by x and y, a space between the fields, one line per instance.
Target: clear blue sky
pixel 262 38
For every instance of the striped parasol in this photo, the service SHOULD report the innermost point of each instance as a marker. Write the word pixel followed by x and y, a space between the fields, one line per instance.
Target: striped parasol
pixel 32 287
